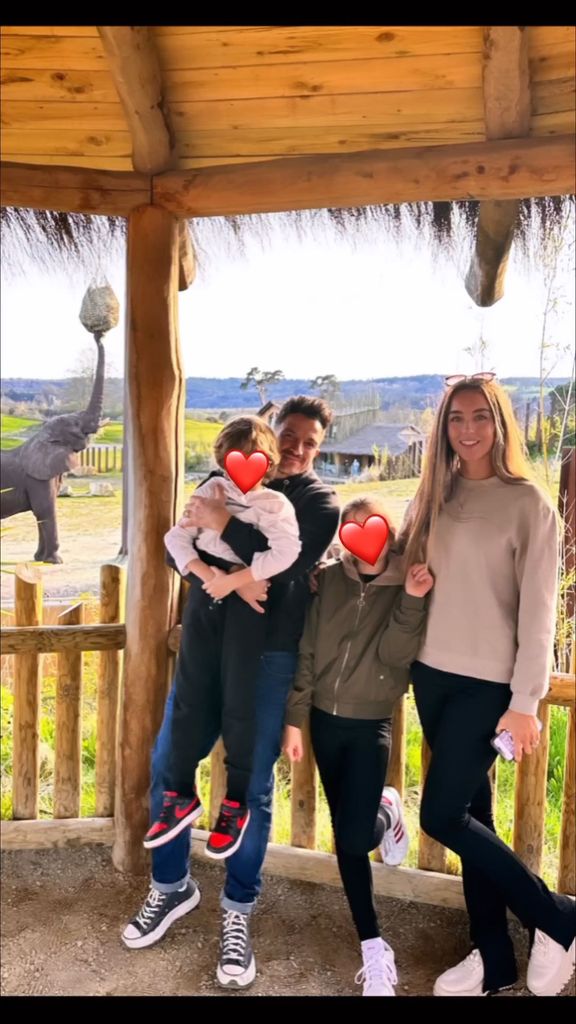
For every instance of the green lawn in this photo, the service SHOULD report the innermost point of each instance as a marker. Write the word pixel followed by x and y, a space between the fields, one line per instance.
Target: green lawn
pixel 198 434
pixel 14 424
pixel 13 430
pixel 112 433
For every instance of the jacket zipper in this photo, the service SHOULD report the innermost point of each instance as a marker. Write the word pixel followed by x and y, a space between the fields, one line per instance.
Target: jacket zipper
pixel 348 646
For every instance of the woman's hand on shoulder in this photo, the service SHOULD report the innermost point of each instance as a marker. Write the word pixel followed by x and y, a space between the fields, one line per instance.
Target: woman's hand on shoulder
pixel 314 576
pixel 419 580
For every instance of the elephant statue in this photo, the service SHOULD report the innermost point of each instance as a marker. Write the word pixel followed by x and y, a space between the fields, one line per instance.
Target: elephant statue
pixel 31 474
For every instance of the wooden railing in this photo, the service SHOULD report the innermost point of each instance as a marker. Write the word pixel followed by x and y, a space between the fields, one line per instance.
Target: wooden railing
pixel 29 639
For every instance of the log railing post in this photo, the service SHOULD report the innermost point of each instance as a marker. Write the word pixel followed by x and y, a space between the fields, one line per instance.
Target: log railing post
pixel 68 752
pixel 304 797
pixel 530 799
pixel 26 753
pixel 397 764
pixel 217 780
pixel 567 866
pixel 111 611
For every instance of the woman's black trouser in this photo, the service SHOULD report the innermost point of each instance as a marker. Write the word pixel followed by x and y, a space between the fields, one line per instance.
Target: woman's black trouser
pixel 459 715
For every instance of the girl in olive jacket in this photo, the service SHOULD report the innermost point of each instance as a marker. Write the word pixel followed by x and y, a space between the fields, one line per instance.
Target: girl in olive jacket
pixel 362 632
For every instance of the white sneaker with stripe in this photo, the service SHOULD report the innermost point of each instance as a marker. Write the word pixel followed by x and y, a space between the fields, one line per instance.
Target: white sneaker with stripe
pixel 395 841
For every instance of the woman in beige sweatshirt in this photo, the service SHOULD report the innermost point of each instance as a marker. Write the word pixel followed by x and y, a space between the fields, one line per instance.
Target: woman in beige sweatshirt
pixel 490 538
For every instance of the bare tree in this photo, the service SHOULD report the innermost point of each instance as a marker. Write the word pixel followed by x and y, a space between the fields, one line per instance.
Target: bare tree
pixel 261 380
pixel 563 406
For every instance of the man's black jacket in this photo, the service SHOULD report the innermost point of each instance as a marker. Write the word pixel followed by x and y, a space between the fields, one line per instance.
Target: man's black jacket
pixel 317 512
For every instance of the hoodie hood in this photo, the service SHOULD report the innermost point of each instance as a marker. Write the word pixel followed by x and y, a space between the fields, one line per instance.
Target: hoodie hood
pixel 392 576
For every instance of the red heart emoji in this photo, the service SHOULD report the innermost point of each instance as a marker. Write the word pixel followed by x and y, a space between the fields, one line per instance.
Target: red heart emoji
pixel 366 541
pixel 246 471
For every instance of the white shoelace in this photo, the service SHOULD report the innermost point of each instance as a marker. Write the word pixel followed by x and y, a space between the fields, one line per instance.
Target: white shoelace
pixel 234 936
pixel 378 968
pixel 154 901
pixel 473 961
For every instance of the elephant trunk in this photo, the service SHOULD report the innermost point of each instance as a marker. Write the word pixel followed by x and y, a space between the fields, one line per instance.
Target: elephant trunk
pixel 93 413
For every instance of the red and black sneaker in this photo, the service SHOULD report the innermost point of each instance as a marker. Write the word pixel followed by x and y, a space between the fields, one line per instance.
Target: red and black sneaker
pixel 178 812
pixel 227 834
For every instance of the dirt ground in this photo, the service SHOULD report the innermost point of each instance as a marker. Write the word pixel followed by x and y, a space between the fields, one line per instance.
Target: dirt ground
pixel 63 910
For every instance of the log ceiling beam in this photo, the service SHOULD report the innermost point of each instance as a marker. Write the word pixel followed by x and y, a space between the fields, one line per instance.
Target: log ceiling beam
pixel 73 189
pixel 135 68
pixel 134 64
pixel 506 169
pixel 507 105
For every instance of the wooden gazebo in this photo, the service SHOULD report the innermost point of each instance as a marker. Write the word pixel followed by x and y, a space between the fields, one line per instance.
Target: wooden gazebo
pixel 162 124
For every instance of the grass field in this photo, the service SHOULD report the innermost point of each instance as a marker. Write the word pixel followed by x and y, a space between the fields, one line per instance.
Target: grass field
pixel 198 434
pixel 14 429
pixel 14 424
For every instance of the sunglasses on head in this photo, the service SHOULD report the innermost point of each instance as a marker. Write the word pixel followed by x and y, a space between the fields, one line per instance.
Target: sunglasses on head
pixel 459 378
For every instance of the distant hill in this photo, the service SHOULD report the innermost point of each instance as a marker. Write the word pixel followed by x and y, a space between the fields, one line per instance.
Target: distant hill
pixel 218 393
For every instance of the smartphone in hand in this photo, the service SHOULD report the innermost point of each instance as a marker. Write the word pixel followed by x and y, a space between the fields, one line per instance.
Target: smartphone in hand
pixel 504 744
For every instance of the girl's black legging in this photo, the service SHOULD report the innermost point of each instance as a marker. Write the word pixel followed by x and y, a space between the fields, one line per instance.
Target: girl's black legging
pixel 352 757
pixel 459 715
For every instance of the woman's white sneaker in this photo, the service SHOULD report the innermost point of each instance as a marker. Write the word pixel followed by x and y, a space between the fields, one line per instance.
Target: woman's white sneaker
pixel 378 973
pixel 466 979
pixel 550 966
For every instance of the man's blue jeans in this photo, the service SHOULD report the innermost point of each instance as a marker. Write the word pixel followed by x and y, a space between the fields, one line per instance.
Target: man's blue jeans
pixel 170 863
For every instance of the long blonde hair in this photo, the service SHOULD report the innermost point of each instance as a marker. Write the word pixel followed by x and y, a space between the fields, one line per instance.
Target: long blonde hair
pixel 441 463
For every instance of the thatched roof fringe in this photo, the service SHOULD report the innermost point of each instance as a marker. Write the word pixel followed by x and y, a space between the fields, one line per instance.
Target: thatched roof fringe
pixel 83 243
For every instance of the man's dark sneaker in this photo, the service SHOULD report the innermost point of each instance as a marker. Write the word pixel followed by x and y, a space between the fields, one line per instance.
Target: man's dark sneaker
pixel 157 913
pixel 227 834
pixel 237 966
pixel 178 812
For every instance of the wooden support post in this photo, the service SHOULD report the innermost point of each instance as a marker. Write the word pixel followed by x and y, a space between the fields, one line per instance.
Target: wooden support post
pixel 68 753
pixel 111 611
pixel 186 257
pixel 506 82
pixel 156 421
pixel 431 855
pixel 304 794
pixel 530 799
pixel 26 754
